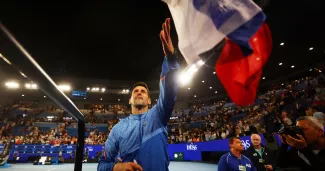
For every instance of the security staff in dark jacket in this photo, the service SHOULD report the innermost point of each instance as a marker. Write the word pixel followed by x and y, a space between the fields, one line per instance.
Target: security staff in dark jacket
pixel 260 155
pixel 308 150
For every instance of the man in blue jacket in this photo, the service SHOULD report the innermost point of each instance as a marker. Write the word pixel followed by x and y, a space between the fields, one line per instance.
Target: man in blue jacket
pixel 234 160
pixel 141 138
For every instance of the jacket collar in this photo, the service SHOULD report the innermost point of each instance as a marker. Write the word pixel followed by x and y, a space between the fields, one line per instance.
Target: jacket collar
pixel 136 116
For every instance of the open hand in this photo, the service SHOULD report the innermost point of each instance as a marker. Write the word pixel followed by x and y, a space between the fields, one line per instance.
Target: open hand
pixel 128 166
pixel 166 41
pixel 299 143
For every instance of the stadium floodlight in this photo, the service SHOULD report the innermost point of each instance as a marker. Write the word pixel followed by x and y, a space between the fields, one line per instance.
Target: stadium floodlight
pixel 185 78
pixel 281 44
pixel 292 66
pixel 95 89
pixel 103 89
pixel 31 86
pixel 64 87
pixel 311 48
pixel 210 87
pixel 127 91
pixel 200 62
pixel 12 85
pixel 216 92
pixel 88 88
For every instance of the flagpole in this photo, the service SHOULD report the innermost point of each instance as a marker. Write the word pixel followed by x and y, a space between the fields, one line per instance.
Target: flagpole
pixel 17 56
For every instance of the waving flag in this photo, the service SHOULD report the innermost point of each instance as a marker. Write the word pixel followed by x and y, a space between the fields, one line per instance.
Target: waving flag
pixel 241 74
pixel 202 24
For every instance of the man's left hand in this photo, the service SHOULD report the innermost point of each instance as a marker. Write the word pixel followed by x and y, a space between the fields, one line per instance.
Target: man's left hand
pixel 296 143
pixel 166 41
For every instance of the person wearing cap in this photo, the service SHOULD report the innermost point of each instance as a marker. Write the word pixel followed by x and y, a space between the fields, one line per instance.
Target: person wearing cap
pixel 141 138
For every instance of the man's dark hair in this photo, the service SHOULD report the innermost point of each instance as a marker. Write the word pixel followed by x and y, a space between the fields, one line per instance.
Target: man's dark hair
pixel 232 139
pixel 142 84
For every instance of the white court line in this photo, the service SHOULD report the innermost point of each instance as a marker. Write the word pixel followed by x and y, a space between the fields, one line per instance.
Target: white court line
pixel 51 169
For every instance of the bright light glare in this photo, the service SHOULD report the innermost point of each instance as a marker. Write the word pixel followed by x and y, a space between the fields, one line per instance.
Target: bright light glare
pixel 31 86
pixel 200 62
pixel 64 87
pixel 185 78
pixel 280 63
pixel 216 92
pixel 210 87
pixel 282 44
pixel 103 89
pixel 12 85
pixel 193 68
pixel 311 48
pixel 263 78
pixel 95 89
pixel 214 72
pixel 88 88
pixel 292 66
pixel 5 59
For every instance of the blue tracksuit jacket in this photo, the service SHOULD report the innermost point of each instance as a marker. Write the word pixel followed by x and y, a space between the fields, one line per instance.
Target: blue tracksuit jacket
pixel 143 137
pixel 229 162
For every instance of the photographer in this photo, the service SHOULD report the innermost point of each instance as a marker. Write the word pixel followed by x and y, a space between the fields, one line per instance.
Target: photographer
pixel 307 148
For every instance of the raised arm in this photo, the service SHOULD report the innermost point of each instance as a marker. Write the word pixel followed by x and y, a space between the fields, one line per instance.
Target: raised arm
pixel 168 81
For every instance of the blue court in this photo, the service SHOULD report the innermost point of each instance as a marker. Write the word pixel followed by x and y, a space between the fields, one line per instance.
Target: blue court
pixel 174 166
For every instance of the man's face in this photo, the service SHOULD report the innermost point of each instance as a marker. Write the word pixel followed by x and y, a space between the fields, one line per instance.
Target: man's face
pixel 256 140
pixel 140 97
pixel 237 145
pixel 311 132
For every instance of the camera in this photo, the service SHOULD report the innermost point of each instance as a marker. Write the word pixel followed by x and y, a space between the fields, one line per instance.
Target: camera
pixel 291 130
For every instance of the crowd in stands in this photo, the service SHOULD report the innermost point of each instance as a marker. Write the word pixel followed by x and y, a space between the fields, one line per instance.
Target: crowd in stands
pixel 278 107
